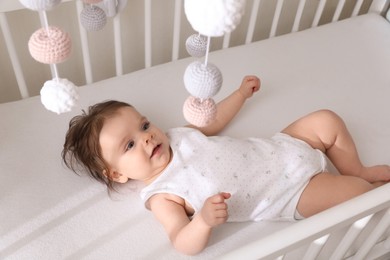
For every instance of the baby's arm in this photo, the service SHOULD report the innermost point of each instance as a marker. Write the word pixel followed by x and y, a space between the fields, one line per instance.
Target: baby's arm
pixel 229 107
pixel 189 236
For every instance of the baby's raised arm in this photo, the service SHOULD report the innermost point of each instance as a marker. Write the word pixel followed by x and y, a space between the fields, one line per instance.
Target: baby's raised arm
pixel 229 107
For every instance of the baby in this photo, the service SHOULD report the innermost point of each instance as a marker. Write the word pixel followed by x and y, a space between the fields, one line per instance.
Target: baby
pixel 196 180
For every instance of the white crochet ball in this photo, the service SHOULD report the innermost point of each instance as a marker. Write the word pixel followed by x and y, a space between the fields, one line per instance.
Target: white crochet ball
pixel 199 112
pixel 93 18
pixel 59 95
pixel 214 17
pixel 40 5
pixel 196 45
pixel 202 81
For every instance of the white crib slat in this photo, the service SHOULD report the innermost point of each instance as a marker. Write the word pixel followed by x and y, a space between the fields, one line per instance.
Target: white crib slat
pixel 118 45
pixel 176 30
pixel 84 45
pixel 320 10
pixel 13 56
pixel 379 6
pixel 252 21
pixel 226 40
pixel 349 238
pixel 338 10
pixel 356 10
pixel 377 232
pixel 315 248
pixel 298 15
pixel 275 21
pixel 378 251
pixel 148 33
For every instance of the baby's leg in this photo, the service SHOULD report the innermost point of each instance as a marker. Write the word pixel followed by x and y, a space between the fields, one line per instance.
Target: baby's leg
pixel 326 190
pixel 326 131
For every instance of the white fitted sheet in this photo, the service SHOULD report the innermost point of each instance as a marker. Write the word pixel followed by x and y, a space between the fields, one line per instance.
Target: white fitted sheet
pixel 47 212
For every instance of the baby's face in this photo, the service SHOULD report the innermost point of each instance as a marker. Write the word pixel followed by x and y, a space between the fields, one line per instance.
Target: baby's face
pixel 133 147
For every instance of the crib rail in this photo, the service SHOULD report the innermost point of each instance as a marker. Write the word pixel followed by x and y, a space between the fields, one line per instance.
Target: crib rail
pixel 308 14
pixel 353 215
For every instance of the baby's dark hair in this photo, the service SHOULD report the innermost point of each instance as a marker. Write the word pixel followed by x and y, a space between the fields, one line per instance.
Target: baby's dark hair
pixel 82 151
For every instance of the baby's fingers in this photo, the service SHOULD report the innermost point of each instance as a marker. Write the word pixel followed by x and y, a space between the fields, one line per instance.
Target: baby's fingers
pixel 250 85
pixel 220 197
pixel 221 213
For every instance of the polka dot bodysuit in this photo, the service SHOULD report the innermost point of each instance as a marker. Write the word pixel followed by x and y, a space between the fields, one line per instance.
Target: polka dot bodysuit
pixel 264 176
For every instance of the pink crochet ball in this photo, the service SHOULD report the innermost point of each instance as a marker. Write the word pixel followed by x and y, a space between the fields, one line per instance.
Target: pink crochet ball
pixel 93 18
pixel 199 112
pixel 40 5
pixel 50 45
pixel 196 45
pixel 202 81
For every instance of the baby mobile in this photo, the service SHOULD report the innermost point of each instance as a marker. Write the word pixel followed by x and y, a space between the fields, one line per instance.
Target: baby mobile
pixel 51 45
pixel 203 80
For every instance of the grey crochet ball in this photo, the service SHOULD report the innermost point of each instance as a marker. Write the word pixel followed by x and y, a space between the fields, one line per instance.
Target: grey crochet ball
pixel 93 18
pixel 196 45
pixel 202 81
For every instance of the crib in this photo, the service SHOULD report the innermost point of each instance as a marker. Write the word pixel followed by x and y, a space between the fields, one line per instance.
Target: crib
pixel 310 55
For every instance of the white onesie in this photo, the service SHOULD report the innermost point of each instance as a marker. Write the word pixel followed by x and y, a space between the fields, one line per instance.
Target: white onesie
pixel 264 176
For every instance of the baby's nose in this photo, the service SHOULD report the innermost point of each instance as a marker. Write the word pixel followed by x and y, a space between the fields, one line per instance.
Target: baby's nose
pixel 148 137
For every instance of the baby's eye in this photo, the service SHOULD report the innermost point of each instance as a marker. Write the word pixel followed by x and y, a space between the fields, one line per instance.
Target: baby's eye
pixel 146 126
pixel 129 145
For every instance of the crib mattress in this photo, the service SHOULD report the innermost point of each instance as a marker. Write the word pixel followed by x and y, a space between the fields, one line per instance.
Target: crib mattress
pixel 47 212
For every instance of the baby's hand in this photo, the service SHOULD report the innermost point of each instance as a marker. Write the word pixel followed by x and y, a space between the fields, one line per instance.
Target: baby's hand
pixel 249 85
pixel 215 210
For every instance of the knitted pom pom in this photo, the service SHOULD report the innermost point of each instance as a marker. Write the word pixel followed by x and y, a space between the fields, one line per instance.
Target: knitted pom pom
pixel 214 18
pixel 199 112
pixel 92 1
pixel 196 45
pixel 202 81
pixel 59 95
pixel 40 5
pixel 50 45
pixel 93 18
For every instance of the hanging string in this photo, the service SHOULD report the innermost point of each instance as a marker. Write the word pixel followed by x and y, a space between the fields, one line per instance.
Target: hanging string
pixel 45 22
pixel 54 67
pixel 207 50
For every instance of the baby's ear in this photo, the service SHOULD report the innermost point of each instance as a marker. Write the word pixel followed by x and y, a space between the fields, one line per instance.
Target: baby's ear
pixel 116 176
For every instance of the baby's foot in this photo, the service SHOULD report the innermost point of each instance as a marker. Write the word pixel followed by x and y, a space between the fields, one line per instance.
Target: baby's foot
pixel 378 173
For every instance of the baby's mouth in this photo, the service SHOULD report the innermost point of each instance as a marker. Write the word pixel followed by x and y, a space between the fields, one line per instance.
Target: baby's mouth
pixel 155 150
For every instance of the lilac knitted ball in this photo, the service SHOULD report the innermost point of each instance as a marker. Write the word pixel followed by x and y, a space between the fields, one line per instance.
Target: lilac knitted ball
pixel 199 112
pixel 50 45
pixel 40 5
pixel 196 45
pixel 93 18
pixel 202 81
